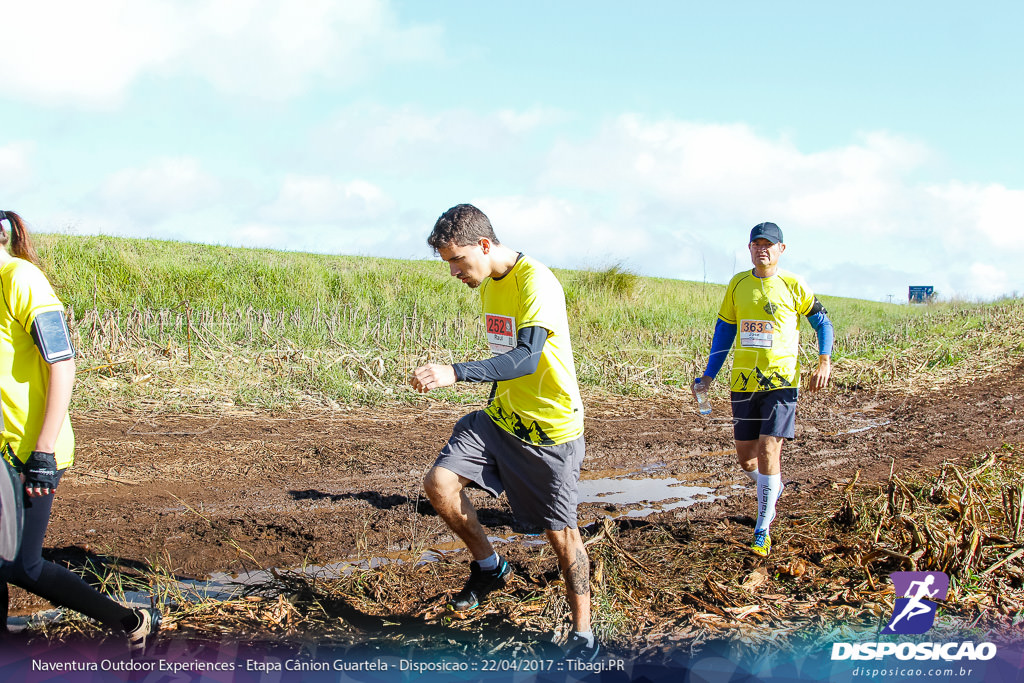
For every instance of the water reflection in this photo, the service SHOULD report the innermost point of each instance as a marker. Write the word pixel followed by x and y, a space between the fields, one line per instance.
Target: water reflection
pixel 655 494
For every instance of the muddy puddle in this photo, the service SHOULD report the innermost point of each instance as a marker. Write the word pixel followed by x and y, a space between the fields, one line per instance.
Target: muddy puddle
pixel 616 490
pixel 652 494
pixel 634 493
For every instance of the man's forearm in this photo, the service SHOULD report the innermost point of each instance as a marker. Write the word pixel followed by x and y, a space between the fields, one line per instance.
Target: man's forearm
pixel 519 362
pixel 721 342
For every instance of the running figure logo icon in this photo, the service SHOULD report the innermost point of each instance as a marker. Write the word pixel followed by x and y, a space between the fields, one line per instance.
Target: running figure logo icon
pixel 914 612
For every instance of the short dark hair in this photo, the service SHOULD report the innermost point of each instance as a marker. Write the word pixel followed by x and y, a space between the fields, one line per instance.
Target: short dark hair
pixel 461 225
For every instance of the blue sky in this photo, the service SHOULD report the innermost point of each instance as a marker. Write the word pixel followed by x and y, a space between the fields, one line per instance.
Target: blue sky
pixel 884 138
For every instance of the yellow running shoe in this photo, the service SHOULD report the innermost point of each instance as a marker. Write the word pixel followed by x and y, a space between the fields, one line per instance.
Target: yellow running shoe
pixel 762 544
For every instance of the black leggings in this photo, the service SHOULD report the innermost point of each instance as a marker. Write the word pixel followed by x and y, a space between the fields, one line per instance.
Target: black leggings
pixel 51 581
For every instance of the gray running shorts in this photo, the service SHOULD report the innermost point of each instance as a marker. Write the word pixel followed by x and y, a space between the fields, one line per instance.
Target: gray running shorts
pixel 541 482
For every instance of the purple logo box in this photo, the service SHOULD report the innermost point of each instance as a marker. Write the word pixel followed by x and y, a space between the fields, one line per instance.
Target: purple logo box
pixel 914 611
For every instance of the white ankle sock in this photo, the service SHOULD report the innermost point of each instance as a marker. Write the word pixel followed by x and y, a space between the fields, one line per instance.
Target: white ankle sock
pixel 489 564
pixel 587 636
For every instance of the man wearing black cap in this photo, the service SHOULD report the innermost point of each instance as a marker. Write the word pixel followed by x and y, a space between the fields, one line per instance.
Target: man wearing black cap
pixel 760 314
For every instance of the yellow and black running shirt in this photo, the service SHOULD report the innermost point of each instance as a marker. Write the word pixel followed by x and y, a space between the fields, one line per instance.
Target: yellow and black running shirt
pixel 24 375
pixel 542 408
pixel 766 314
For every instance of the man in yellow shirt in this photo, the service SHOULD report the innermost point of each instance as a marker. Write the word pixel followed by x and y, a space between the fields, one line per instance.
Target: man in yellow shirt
pixel 528 441
pixel 760 314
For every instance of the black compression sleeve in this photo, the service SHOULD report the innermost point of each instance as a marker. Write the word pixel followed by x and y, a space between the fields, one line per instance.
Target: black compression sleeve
pixel 519 362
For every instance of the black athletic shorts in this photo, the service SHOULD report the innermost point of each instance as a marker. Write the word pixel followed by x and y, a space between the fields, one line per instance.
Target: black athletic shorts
pixel 771 413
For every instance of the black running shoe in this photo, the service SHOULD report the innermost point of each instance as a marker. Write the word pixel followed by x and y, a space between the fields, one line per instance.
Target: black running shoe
pixel 577 648
pixel 480 583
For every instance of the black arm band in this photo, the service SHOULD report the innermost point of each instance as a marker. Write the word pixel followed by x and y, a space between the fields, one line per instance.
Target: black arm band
pixel 816 307
pixel 51 335
pixel 519 362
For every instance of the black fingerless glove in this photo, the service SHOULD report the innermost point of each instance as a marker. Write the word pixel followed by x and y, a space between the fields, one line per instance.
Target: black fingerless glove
pixel 41 471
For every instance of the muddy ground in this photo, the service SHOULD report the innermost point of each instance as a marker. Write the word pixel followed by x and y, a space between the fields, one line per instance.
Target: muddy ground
pixel 196 494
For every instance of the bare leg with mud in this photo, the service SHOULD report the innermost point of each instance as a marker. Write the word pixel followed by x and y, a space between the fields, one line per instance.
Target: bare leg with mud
pixel 575 567
pixel 447 493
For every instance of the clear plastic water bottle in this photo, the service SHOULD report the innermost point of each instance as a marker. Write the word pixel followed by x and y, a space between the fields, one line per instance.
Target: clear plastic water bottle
pixel 700 392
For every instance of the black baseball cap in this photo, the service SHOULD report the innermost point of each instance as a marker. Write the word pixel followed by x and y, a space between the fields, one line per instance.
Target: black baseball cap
pixel 768 231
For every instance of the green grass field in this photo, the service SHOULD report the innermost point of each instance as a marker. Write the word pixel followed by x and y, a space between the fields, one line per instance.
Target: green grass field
pixel 198 325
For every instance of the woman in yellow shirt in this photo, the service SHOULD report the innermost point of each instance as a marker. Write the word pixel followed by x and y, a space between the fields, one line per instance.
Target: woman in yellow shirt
pixel 37 372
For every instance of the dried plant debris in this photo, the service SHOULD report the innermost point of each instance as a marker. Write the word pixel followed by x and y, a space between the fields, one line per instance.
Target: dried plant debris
pixel 658 586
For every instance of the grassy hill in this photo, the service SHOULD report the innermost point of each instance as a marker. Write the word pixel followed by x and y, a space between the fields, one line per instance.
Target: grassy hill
pixel 198 325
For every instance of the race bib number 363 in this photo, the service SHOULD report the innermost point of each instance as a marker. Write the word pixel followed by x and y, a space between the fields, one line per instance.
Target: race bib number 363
pixel 756 334
pixel 501 332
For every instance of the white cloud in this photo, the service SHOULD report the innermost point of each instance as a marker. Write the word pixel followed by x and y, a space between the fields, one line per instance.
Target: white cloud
pixel 567 234
pixel 411 139
pixel 665 197
pixel 986 281
pixel 707 184
pixel 530 119
pixel 276 48
pixel 546 227
pixel 991 210
pixel 695 167
pixel 178 199
pixel 165 188
pixel 384 238
pixel 88 52
pixel 309 199
pixel 91 52
pixel 16 172
pixel 262 235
